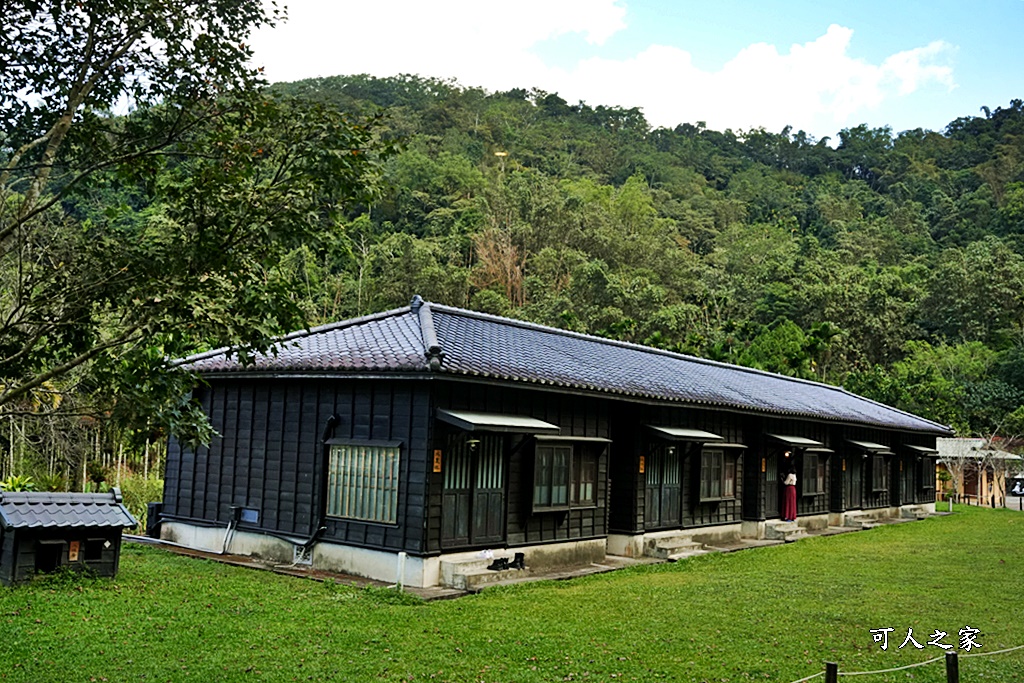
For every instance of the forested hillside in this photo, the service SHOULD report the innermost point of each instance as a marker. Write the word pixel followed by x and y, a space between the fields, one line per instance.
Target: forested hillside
pixel 890 264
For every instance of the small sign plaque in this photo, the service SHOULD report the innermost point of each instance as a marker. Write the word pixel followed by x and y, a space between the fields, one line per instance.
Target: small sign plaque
pixel 764 464
pixel 641 464
pixel 437 460
pixel 844 464
pixel 73 551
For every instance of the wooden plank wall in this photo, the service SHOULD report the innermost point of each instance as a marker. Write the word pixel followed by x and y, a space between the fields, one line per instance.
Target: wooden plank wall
pixel 857 462
pixel 921 469
pixel 626 490
pixel 6 557
pixel 18 556
pixel 753 478
pixel 634 438
pixel 576 416
pixel 269 455
pixel 728 425
pixel 805 504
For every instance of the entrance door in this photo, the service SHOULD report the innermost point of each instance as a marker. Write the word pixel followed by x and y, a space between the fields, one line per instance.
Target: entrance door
pixel 489 492
pixel 855 482
pixel 906 473
pixel 663 502
pixel 473 503
pixel 771 486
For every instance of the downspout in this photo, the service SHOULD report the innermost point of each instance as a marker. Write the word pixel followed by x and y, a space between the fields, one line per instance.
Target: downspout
pixel 325 464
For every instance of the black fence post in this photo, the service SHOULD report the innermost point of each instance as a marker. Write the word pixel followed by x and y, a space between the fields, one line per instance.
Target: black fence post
pixel 831 672
pixel 952 668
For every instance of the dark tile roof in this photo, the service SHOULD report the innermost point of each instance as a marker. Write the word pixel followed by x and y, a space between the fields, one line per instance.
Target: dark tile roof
pixel 384 341
pixel 429 337
pixel 22 510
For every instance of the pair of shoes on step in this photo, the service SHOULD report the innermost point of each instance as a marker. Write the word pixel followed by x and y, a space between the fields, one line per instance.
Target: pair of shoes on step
pixel 502 563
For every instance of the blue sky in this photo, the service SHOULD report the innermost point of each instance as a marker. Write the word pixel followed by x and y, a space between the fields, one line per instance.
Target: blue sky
pixel 818 66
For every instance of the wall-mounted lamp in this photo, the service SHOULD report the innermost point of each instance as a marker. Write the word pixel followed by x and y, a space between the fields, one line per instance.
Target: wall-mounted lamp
pixel 472 443
pixel 671 450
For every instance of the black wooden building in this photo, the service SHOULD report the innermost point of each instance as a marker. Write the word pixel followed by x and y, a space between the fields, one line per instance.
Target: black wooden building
pixel 43 532
pixel 436 433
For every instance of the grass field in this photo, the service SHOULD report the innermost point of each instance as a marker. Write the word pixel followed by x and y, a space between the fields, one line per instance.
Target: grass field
pixel 768 614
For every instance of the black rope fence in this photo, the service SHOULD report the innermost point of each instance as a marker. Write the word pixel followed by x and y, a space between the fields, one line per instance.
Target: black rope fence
pixel 952 659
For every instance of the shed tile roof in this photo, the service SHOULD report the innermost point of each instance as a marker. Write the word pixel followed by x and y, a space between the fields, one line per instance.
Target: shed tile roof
pixel 22 510
pixel 466 343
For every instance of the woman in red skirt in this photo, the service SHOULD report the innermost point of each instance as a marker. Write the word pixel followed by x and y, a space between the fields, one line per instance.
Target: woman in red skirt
pixel 789 499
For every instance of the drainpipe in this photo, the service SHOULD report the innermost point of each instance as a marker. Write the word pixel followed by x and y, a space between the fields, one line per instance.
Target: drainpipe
pixel 325 464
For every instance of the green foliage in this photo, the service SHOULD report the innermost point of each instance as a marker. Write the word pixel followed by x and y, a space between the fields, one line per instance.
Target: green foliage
pixel 129 241
pixel 96 472
pixel 17 482
pixel 51 482
pixel 137 491
pixel 66 579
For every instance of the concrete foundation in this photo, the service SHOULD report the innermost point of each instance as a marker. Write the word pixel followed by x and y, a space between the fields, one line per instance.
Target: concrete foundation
pixel 419 572
pixel 752 529
pixel 211 539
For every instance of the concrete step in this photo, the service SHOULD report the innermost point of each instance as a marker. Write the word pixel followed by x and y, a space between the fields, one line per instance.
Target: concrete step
pixel 860 522
pixel 477 580
pixel 473 574
pixel 784 531
pixel 673 547
pixel 690 552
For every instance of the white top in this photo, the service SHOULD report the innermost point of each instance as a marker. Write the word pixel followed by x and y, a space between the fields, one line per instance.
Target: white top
pixel 790 479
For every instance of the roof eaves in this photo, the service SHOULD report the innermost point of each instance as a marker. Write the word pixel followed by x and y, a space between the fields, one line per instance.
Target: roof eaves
pixel 948 429
pixel 740 407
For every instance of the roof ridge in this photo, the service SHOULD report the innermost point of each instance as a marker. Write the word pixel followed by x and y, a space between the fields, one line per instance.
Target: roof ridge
pixel 299 334
pixel 428 335
pixel 648 349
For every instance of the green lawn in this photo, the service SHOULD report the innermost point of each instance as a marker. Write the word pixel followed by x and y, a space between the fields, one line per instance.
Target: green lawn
pixel 769 614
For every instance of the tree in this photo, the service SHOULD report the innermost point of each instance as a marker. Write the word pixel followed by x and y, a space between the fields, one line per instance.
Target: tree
pixel 127 240
pixel 961 455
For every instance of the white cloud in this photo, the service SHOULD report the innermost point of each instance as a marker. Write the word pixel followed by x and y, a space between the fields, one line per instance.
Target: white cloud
pixel 480 43
pixel 911 68
pixel 817 86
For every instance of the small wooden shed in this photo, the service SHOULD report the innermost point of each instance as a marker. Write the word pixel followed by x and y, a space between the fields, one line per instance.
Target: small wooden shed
pixel 42 532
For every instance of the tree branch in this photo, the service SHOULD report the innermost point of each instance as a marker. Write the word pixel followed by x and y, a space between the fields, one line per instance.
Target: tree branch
pixel 40 379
